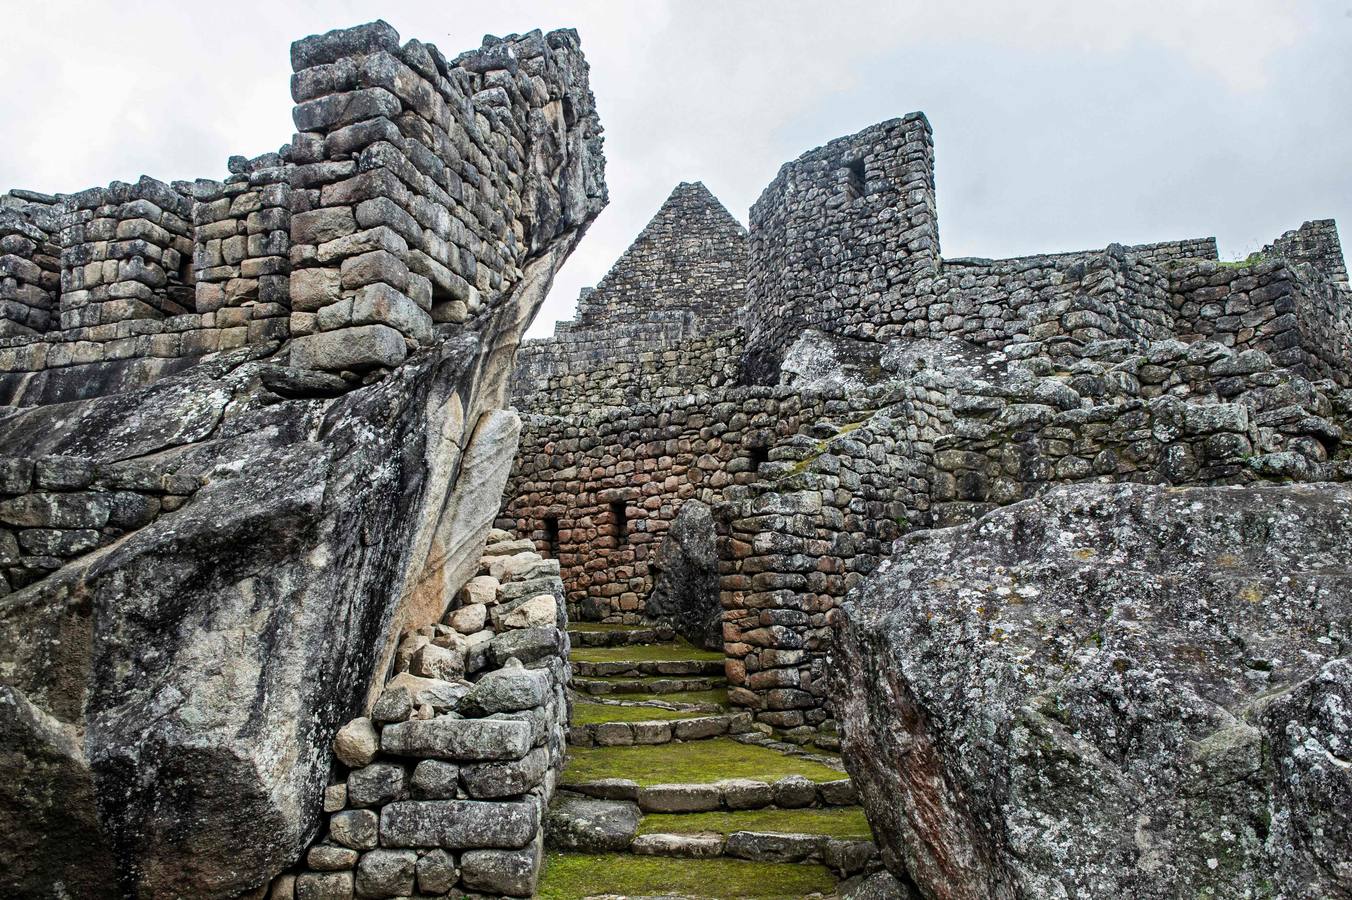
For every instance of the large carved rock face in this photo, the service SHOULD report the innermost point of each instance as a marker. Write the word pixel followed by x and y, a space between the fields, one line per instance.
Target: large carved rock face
pixel 1111 691
pixel 168 702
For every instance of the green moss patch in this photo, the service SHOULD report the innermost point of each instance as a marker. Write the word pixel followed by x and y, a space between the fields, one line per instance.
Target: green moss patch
pixel 644 653
pixel 695 762
pixel 573 876
pixel 718 697
pixel 592 713
pixel 837 822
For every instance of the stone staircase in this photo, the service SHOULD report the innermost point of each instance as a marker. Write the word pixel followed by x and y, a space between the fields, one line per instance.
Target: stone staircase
pixel 668 792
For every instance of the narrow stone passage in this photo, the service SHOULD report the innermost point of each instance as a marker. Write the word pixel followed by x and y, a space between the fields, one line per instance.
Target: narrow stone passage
pixel 667 791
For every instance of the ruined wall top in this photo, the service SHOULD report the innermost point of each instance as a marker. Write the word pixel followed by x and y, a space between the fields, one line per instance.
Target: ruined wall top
pixel 410 202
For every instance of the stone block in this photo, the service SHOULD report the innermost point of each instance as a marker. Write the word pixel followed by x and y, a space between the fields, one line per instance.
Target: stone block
pixel 492 780
pixel 375 785
pixel 514 873
pixel 324 886
pixel 386 873
pixel 356 743
pixel 454 824
pixel 506 690
pixel 355 828
pixel 435 779
pixel 794 792
pixel 446 737
pixel 679 798
pixel 746 793
pixel 436 872
pixel 358 348
pixel 314 289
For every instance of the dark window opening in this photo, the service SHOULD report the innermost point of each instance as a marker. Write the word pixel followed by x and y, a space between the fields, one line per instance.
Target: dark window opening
pixel 855 179
pixel 620 516
pixel 759 456
pixel 552 535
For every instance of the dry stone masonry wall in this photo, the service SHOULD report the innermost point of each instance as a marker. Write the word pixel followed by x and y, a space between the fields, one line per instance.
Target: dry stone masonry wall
pixel 412 195
pixel 252 440
pixel 869 388
pixel 449 776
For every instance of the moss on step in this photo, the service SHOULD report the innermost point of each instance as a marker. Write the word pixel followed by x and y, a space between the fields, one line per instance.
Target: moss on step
pixel 716 697
pixel 695 762
pixel 837 822
pixel 572 876
pixel 640 681
pixel 592 713
pixel 643 653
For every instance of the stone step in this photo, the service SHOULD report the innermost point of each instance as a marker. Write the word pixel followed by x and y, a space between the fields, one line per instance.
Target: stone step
pixel 705 762
pixel 575 876
pixel 838 838
pixel 790 792
pixel 637 669
pixel 657 731
pixel 658 684
pixel 713 701
pixel 843 856
pixel 840 822
pixel 596 634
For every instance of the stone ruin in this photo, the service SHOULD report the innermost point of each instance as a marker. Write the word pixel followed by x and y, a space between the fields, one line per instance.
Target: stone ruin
pixel 297 533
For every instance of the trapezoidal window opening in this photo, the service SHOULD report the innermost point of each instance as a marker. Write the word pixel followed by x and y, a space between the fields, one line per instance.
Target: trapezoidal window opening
pixel 620 517
pixel 759 456
pixel 855 178
pixel 552 535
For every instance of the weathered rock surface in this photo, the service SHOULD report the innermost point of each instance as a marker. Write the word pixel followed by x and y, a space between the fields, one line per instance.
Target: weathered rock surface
pixel 685 590
pixel 1111 691
pixel 583 823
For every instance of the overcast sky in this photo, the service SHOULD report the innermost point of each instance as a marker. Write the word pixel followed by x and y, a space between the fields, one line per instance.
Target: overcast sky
pixel 1058 125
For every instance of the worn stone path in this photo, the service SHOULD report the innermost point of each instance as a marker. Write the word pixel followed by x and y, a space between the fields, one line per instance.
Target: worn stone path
pixel 669 792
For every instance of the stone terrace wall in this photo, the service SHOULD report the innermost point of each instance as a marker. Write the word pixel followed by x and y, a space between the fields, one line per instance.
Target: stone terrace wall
pixel 445 785
pixel 413 192
pixel 576 478
pixel 1315 243
pixel 1277 305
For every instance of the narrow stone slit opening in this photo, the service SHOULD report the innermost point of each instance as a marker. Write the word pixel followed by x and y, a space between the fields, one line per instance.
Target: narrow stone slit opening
pixel 552 535
pixel 759 456
pixel 855 178
pixel 620 517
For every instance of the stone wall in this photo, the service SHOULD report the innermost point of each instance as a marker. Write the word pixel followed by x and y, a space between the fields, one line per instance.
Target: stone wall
pixel 912 392
pixel 170 690
pixel 412 195
pixel 839 239
pixel 661 321
pixel 30 263
pixel 445 784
